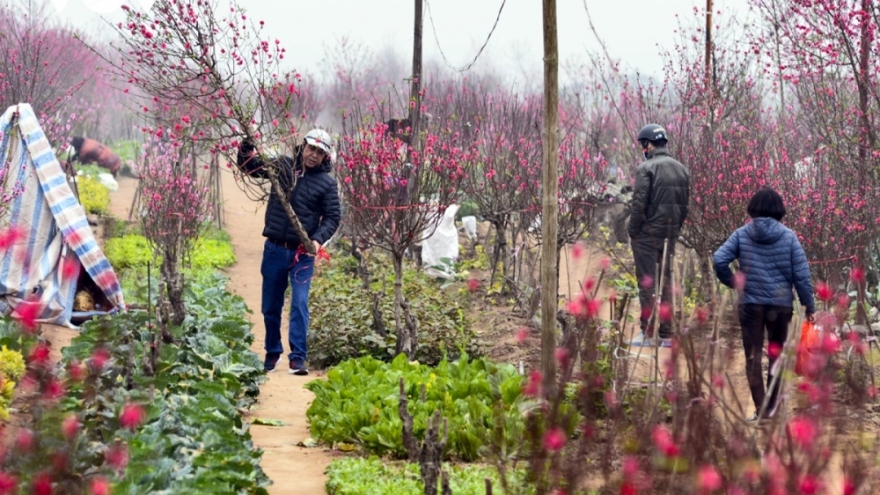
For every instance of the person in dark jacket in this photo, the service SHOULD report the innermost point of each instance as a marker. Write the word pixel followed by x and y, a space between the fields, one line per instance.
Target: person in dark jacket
pixel 658 210
pixel 771 261
pixel 314 196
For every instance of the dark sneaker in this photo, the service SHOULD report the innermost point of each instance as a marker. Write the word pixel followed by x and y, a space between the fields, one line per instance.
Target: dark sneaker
pixel 270 362
pixel 298 368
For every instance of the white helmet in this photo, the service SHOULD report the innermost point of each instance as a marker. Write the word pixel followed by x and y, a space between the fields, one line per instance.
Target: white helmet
pixel 321 139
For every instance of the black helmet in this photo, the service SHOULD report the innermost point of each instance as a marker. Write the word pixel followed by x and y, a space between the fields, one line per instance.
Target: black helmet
pixel 652 132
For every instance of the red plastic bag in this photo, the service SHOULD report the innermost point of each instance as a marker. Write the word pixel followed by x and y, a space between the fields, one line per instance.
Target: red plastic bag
pixel 809 341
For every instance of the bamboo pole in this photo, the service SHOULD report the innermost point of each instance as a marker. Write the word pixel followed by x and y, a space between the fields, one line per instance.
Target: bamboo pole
pixel 549 199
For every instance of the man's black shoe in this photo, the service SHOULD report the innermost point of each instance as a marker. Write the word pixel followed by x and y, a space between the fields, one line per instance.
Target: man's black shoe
pixel 270 362
pixel 298 368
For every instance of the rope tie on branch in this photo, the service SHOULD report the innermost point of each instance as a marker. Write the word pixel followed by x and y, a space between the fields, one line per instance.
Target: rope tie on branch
pixel 402 207
pixel 321 255
pixel 825 262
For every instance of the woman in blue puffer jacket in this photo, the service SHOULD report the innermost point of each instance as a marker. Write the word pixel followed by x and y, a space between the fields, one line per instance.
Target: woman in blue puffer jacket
pixel 771 262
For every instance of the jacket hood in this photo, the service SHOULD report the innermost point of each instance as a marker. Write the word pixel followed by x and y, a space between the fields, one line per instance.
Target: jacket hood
pixel 765 230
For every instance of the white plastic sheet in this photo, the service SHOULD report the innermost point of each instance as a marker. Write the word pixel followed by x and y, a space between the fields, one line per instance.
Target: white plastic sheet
pixel 441 249
pixel 470 226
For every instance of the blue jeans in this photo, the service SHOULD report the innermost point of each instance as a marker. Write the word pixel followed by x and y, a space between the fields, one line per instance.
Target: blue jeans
pixel 280 268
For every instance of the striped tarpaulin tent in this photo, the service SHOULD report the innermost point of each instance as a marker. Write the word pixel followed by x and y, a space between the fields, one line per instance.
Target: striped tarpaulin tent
pixel 54 237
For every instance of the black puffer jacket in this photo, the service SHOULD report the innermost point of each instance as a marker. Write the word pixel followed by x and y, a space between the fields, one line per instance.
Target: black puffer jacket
pixel 315 197
pixel 660 196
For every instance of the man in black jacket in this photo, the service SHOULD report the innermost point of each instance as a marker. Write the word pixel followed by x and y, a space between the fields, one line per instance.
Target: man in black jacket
pixel 658 210
pixel 313 194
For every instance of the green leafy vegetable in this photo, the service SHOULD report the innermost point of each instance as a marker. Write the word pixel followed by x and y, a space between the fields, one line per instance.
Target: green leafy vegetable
pixel 373 476
pixel 358 403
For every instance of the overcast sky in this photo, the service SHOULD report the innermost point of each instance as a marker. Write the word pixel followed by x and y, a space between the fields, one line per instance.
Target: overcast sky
pixel 631 29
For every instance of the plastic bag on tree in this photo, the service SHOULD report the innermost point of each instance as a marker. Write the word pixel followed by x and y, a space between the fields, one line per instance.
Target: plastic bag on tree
pixel 441 249
pixel 808 344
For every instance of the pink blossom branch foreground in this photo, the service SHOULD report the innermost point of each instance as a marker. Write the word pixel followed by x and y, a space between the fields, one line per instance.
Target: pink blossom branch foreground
pixel 209 80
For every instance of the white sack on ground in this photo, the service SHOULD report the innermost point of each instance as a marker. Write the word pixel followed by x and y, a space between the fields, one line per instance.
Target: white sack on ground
pixel 108 181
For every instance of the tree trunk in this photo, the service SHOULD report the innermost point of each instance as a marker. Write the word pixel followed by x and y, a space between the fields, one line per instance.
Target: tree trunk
pixel 173 280
pixel 408 439
pixel 404 343
pixel 707 281
pixel 431 453
pixel 866 138
pixel 378 322
pixel 861 289
pixel 410 326
pixel 499 251
pixel 362 270
pixel 549 198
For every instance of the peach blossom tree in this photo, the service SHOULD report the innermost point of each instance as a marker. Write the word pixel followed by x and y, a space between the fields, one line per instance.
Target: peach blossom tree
pixel 393 204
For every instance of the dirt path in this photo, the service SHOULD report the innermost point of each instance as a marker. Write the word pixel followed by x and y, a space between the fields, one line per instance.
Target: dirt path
pixel 293 469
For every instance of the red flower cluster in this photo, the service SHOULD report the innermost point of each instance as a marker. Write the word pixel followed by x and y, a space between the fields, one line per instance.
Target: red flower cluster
pixel 664 442
pixel 132 416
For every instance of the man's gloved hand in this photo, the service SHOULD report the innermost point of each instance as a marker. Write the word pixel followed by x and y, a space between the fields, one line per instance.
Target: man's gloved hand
pixel 247 146
pixel 246 151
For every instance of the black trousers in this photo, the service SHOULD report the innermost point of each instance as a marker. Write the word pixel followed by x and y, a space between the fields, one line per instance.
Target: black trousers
pixel 754 319
pixel 647 252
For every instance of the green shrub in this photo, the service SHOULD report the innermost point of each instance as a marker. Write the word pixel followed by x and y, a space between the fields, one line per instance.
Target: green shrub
pixel 11 364
pixel 336 335
pixel 11 371
pixel 211 231
pixel 114 227
pixel 373 476
pixel 468 208
pixel 13 344
pixel 134 250
pixel 128 150
pixel 358 403
pixel 94 197
pixel 128 251
pixel 212 253
pixel 13 338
